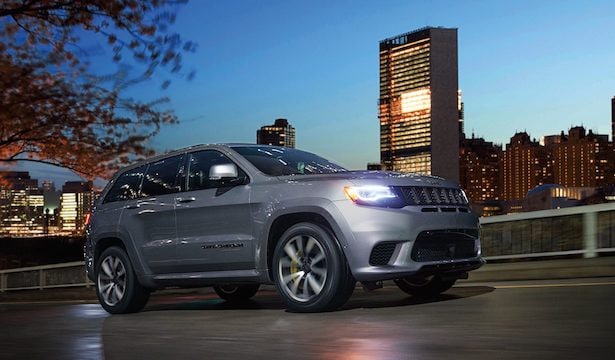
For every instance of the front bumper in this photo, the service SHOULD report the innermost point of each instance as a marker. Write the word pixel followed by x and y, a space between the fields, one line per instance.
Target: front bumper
pixel 367 227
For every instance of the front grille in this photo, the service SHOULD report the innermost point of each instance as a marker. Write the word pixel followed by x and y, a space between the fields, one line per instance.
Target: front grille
pixel 444 245
pixel 429 195
pixel 381 254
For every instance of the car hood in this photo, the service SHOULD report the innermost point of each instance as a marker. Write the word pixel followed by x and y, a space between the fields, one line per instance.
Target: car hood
pixel 389 178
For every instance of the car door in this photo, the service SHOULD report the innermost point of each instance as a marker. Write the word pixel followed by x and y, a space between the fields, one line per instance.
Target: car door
pixel 150 219
pixel 108 214
pixel 214 225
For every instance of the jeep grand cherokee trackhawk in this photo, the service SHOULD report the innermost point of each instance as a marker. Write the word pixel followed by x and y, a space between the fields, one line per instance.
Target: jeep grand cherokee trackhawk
pixel 237 216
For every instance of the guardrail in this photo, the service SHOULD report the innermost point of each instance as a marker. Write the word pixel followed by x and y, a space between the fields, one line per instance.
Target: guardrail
pixel 583 230
pixel 63 275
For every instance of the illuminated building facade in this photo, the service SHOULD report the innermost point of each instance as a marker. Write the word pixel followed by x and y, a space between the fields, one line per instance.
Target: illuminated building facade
pixel 582 159
pixel 21 204
pixel 76 201
pixel 280 133
pixel 522 167
pixel 420 110
pixel 479 173
pixel 460 112
pixel 553 196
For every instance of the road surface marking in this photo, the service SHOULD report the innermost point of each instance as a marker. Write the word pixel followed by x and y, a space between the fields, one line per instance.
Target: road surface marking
pixel 551 285
pixel 44 302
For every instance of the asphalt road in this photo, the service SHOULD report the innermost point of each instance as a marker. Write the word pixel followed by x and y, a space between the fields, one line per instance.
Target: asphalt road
pixel 569 319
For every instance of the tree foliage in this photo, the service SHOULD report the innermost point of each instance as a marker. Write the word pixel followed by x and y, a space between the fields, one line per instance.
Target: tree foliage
pixel 54 108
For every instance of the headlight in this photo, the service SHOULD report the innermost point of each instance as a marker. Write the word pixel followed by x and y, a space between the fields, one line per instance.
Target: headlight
pixel 465 196
pixel 374 195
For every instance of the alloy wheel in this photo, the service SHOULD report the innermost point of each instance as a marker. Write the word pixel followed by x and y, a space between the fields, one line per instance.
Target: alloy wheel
pixel 303 268
pixel 112 280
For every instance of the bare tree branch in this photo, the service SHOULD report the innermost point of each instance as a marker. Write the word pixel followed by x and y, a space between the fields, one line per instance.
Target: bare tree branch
pixel 53 109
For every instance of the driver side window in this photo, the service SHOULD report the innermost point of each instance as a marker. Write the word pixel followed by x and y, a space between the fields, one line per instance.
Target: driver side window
pixel 200 163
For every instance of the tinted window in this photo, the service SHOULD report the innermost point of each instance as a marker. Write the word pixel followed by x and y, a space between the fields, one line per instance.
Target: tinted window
pixel 126 186
pixel 162 177
pixel 198 170
pixel 278 161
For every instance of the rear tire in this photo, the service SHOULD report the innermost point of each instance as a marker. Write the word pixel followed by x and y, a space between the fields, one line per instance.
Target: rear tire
pixel 310 270
pixel 428 288
pixel 236 293
pixel 117 286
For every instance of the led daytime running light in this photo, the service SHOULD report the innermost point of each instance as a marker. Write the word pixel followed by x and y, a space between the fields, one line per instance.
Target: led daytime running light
pixel 369 193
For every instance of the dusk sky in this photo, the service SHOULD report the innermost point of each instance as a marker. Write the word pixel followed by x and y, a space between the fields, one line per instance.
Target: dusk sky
pixel 539 66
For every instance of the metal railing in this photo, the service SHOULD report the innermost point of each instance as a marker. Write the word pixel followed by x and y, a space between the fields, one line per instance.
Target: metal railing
pixel 583 230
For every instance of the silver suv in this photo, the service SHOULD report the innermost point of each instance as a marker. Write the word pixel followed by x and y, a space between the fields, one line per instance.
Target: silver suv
pixel 237 216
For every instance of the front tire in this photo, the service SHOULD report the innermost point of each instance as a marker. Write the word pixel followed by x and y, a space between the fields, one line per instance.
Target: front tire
pixel 117 286
pixel 310 270
pixel 424 287
pixel 236 293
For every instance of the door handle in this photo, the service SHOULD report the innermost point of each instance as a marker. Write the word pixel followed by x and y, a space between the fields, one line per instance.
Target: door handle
pixel 132 206
pixel 185 199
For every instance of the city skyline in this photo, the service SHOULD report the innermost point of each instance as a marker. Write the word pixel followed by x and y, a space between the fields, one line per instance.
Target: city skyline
pixel 29 207
pixel 512 68
pixel 301 62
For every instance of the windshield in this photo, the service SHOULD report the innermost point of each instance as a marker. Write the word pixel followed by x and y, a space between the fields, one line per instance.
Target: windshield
pixel 280 161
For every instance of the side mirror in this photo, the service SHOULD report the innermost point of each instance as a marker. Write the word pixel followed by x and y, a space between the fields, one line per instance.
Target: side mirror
pixel 223 171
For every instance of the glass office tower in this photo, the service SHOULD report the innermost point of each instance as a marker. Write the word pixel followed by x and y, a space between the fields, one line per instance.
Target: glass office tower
pixel 419 108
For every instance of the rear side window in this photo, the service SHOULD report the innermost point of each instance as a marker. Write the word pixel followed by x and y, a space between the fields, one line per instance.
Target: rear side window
pixel 162 177
pixel 126 186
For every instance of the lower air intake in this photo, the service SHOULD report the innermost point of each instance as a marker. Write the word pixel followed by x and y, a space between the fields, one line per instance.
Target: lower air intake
pixel 443 245
pixel 381 254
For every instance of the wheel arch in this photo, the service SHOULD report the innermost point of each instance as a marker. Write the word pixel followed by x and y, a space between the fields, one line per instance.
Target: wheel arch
pixel 105 243
pixel 283 222
pixel 113 239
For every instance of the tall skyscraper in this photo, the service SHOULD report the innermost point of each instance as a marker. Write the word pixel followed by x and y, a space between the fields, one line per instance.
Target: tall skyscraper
pixel 613 119
pixel 280 133
pixel 419 107
pixel 77 200
pixel 21 204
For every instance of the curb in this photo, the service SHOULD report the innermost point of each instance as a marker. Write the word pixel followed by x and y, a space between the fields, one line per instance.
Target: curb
pixel 545 270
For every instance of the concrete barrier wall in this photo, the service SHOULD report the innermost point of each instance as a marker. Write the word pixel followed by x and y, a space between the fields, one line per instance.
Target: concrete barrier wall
pixel 587 230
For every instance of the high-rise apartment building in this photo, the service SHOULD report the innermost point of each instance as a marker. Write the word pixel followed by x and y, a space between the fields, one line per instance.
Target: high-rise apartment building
pixel 479 173
pixel 419 104
pixel 280 133
pixel 582 159
pixel 76 201
pixel 522 167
